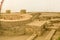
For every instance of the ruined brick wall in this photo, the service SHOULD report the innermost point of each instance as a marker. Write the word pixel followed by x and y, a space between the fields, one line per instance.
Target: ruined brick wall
pixel 10 16
pixel 11 28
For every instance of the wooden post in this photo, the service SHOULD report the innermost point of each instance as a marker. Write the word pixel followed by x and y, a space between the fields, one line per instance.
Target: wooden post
pixel 1 5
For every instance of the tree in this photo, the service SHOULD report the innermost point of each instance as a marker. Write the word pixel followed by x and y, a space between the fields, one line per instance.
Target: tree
pixel 1 3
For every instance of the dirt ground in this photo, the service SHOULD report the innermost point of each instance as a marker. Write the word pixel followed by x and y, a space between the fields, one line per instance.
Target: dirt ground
pixel 24 37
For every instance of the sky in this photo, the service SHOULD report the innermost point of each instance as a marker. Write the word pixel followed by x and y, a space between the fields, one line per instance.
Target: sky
pixel 32 5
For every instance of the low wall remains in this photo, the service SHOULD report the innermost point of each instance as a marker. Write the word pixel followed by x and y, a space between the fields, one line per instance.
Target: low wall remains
pixel 13 24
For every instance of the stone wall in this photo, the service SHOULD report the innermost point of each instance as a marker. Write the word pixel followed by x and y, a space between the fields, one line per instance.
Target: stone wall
pixel 10 16
pixel 11 28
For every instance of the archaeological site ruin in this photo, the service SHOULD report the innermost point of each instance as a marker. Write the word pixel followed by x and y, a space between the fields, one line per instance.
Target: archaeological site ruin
pixel 29 25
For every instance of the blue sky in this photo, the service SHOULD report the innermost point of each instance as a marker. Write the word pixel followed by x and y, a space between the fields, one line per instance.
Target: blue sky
pixel 32 5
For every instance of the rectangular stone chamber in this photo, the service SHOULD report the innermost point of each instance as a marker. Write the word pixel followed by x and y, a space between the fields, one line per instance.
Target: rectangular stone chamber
pixel 37 27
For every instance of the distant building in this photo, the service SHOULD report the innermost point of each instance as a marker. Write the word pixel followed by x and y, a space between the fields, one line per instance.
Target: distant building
pixel 8 11
pixel 23 11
